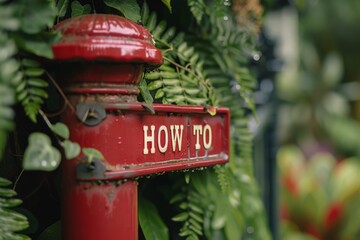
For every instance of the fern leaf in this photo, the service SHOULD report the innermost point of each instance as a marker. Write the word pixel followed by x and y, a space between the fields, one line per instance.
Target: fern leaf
pixel 11 221
pixel 223 178
pixel 8 74
pixel 31 90
pixel 180 80
pixel 197 8
pixel 192 215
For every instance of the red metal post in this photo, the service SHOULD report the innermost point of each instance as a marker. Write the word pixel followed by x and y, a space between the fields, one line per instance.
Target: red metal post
pixel 99 63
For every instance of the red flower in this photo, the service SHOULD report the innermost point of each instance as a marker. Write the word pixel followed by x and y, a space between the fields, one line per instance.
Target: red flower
pixel 291 185
pixel 333 215
pixel 314 231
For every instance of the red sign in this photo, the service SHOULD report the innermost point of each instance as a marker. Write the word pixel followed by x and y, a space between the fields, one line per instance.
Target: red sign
pixel 135 142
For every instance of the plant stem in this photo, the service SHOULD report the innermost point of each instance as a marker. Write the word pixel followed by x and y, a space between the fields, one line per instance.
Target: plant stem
pixel 60 91
pixel 17 179
pixel 48 123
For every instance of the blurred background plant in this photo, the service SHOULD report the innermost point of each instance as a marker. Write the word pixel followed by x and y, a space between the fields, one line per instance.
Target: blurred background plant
pixel 320 195
pixel 208 47
pixel 318 118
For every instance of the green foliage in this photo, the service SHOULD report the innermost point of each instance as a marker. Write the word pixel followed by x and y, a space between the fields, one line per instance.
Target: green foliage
pixel 225 65
pixel 31 90
pixel 130 8
pixel 77 9
pixel 197 8
pixel 145 92
pixel 40 154
pixel 10 221
pixel 92 153
pixel 25 26
pixel 41 15
pixel 8 72
pixel 151 224
pixel 319 194
pixel 62 6
pixel 32 36
pixel 201 8
pixel 71 149
pixel 192 213
pixel 167 4
pixel 180 79
pixel 61 130
pixel 52 232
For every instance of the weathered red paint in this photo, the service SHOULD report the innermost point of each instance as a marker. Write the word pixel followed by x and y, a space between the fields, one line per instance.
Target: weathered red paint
pixel 91 211
pixel 99 63
pixel 120 137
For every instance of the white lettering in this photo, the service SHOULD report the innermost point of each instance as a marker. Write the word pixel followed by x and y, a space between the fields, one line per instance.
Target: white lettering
pixel 150 139
pixel 163 148
pixel 176 137
pixel 197 130
pixel 207 135
pixel 203 137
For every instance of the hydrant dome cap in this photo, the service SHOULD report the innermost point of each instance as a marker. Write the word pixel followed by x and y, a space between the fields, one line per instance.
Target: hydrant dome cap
pixel 105 36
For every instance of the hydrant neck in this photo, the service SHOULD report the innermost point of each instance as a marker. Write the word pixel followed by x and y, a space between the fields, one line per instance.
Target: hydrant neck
pixel 104 81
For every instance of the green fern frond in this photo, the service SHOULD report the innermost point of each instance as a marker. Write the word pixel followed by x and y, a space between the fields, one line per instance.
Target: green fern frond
pixel 8 73
pixel 197 8
pixel 31 89
pixel 223 177
pixel 192 213
pixel 180 80
pixel 10 221
pixel 225 65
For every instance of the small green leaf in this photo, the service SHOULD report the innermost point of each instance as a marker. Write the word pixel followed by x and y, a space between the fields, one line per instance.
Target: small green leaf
pixel 151 223
pixel 39 45
pixel 155 85
pixel 178 197
pixel 129 8
pixel 6 95
pixel 92 153
pixel 62 7
pixel 38 17
pixel 195 208
pixel 72 149
pixel 77 9
pixel 4 192
pixel 8 203
pixel 187 178
pixel 167 3
pixel 197 101
pixel 192 91
pixel 159 94
pixel 173 90
pixel 29 63
pixel 37 82
pixel 39 92
pixel 34 72
pixel 52 232
pixel 40 154
pixel 61 130
pixel 180 217
pixel 4 182
pixel 145 93
pixel 149 107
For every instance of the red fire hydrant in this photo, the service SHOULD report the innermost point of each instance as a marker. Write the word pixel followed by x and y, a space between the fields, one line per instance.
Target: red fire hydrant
pixel 99 63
